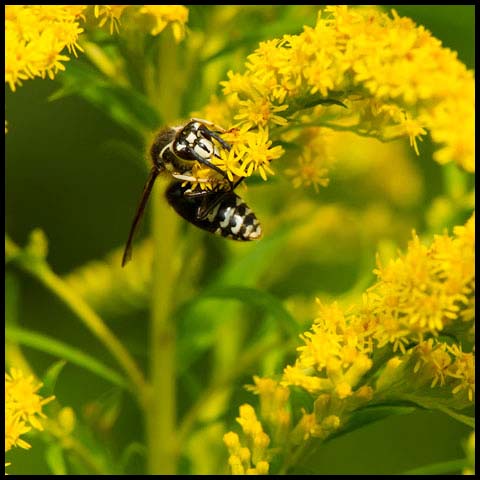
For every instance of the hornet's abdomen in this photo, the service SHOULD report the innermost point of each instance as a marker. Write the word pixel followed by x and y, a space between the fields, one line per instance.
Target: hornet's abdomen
pixel 221 213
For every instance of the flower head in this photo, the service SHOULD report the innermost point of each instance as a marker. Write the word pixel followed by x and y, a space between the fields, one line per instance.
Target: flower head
pixel 395 78
pixel 109 13
pixel 23 408
pixel 385 350
pixel 35 36
pixel 253 457
pixel 163 15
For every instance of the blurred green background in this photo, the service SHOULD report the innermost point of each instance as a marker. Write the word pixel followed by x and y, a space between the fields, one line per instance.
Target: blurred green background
pixel 73 173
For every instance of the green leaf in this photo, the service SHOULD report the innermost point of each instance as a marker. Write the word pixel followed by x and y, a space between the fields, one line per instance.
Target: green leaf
pixel 441 468
pixel 325 101
pixel 51 376
pixel 358 419
pixel 131 450
pixel 200 316
pixel 126 106
pixel 371 414
pixel 55 460
pixel 313 102
pixel 60 349
pixel 467 420
pixel 436 404
pixel 257 298
pixel 247 269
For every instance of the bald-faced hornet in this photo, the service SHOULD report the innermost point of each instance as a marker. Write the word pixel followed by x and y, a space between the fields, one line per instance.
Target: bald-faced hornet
pixel 220 211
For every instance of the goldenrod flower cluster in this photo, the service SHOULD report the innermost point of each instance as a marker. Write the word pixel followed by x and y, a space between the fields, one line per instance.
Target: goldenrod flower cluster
pixel 251 459
pixel 163 15
pixel 394 77
pixel 38 37
pixel 251 151
pixel 394 334
pixel 111 14
pixel 23 408
pixel 35 39
pixel 426 291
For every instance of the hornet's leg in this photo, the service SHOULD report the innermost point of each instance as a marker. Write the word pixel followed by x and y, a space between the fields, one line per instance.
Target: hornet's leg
pixel 212 134
pixel 205 162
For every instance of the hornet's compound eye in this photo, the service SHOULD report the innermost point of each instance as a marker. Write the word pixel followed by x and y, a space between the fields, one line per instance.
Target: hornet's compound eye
pixel 204 148
pixel 196 141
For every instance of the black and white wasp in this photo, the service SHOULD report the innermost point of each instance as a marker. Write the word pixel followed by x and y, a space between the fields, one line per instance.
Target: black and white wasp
pixel 219 211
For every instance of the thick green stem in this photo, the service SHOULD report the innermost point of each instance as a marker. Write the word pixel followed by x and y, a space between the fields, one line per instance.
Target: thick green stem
pixel 163 83
pixel 161 414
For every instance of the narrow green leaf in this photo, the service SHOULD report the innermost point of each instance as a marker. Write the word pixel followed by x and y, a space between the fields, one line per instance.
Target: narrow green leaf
pixel 325 101
pixel 257 298
pixel 131 450
pixel 51 376
pixel 465 419
pixel 55 459
pixel 441 468
pixel 469 421
pixel 127 107
pixel 358 419
pixel 436 404
pixel 200 316
pixel 368 415
pixel 246 270
pixel 60 349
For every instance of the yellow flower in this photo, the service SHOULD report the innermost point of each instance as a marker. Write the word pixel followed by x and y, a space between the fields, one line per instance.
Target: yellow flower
pixel 35 36
pixel 413 129
pixel 23 408
pixel 231 163
pixel 308 172
pixel 177 15
pixel 251 151
pixel 397 81
pixel 425 290
pixel 110 13
pixel 260 112
pixel 384 350
pixel 252 458
pixel 463 370
pixel 416 295
pixel 258 153
pixel 273 406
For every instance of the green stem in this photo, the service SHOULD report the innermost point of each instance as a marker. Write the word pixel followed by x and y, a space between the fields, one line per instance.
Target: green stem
pixel 162 90
pixel 293 458
pixel 84 312
pixel 161 414
pixel 338 128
